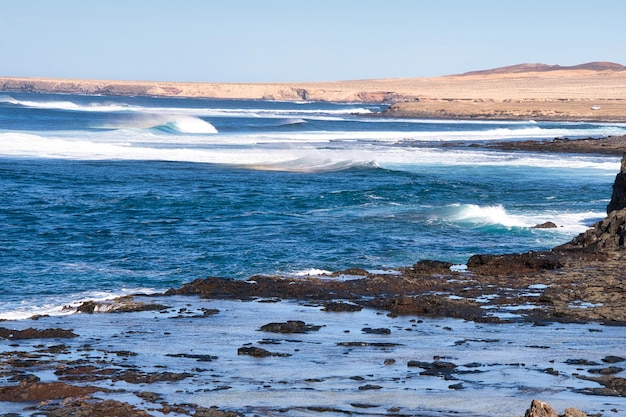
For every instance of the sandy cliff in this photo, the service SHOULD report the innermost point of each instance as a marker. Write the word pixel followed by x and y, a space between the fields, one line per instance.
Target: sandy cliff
pixel 593 91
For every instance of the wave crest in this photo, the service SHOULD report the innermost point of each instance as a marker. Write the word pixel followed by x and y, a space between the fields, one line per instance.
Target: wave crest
pixel 187 124
pixel 473 213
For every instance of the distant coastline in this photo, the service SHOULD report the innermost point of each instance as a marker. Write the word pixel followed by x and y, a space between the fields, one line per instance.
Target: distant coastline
pixel 588 92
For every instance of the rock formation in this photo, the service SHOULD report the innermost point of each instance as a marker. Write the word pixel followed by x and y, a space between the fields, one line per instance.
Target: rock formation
pixel 618 198
pixel 540 409
pixel 606 236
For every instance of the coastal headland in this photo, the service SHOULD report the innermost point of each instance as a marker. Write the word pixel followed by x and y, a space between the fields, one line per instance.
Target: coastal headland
pixel 593 91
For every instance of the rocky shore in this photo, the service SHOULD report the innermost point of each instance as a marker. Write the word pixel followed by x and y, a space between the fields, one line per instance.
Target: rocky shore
pixel 581 281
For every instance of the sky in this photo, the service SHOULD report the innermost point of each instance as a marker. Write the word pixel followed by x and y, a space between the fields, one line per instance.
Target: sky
pixel 300 40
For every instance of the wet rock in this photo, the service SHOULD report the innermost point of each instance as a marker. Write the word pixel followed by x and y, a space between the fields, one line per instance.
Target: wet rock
pixel 540 409
pixel 430 305
pixel 380 330
pixel 198 357
pixel 581 362
pixel 613 359
pixel 606 371
pixel 546 225
pixel 364 344
pixel 31 392
pixel 31 333
pixel 340 307
pixel 125 304
pixel 369 387
pixel 428 267
pixel 351 271
pixel 290 326
pixel 93 408
pixel 436 368
pixel 513 264
pixel 258 352
pixel 613 386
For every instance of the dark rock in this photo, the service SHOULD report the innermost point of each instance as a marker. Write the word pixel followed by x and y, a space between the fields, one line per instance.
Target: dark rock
pixel 31 333
pixel 613 386
pixel 427 266
pixel 340 307
pixel 581 362
pixel 613 359
pixel 258 352
pixel 513 264
pixel 369 387
pixel 124 304
pixel 290 326
pixel 363 344
pixel 546 225
pixel 436 368
pixel 381 330
pixel 606 371
pixel 607 235
pixel 618 198
pixel 351 271
pixel 198 357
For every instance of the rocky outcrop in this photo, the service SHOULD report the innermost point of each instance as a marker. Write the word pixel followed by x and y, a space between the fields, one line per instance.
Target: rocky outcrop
pixel 618 198
pixel 540 409
pixel 608 235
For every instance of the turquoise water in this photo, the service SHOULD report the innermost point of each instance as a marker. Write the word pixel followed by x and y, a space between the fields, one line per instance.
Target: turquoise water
pixel 107 195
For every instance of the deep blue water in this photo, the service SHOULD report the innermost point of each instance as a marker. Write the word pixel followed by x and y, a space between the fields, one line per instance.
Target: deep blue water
pixel 102 195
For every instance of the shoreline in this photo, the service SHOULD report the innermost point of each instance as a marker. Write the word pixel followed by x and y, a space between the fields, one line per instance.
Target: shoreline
pixel 589 92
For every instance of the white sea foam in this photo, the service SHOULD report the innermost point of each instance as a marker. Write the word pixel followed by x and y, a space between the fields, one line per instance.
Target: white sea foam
pixel 61 305
pixel 69 105
pixel 567 223
pixel 188 124
pixel 199 111
pixel 485 215
pixel 288 156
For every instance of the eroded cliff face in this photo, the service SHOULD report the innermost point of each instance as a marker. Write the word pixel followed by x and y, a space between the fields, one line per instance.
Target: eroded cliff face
pixel 618 198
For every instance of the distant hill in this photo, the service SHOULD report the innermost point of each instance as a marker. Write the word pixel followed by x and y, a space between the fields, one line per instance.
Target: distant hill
pixel 521 68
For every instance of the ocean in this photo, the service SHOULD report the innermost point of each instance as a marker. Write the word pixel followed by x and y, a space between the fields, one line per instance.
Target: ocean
pixel 107 196
pixel 103 196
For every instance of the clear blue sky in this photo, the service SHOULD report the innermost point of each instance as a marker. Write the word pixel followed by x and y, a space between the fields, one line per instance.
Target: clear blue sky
pixel 300 40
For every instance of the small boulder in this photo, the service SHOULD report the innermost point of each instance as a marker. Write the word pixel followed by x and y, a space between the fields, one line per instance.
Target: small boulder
pixel 540 409
pixel 546 225
pixel 290 326
pixel 574 412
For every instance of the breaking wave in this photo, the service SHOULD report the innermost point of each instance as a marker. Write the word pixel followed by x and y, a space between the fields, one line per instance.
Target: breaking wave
pixel 187 124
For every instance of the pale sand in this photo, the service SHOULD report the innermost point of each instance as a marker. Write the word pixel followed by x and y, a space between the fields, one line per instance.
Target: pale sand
pixel 568 93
